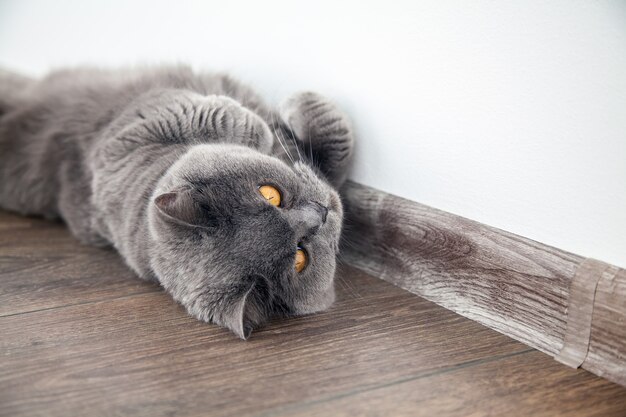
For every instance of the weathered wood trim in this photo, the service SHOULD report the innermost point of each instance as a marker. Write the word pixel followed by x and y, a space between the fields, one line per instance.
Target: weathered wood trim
pixel 512 284
pixel 582 294
pixel 607 347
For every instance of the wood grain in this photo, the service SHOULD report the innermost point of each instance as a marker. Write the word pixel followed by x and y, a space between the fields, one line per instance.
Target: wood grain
pixel 607 355
pixel 509 283
pixel 85 344
pixel 531 384
pixel 142 355
pixel 43 266
pixel 582 294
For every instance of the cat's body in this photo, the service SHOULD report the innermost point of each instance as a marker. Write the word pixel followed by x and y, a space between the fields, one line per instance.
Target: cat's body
pixel 165 165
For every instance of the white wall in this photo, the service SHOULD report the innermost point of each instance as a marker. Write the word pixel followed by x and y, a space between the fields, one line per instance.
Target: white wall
pixel 512 113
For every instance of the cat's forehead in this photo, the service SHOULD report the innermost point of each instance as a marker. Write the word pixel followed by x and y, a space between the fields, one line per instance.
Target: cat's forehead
pixel 240 165
pixel 208 160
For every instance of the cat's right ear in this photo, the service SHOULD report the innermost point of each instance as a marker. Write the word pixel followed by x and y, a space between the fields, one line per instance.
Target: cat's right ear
pixel 180 207
pixel 248 310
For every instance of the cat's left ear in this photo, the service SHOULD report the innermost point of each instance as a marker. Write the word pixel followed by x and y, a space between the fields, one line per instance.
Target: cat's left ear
pixel 180 207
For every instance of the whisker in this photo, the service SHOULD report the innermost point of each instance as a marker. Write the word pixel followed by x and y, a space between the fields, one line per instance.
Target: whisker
pixel 293 139
pixel 309 158
pixel 282 134
pixel 279 132
pixel 346 286
pixel 277 136
pixel 315 164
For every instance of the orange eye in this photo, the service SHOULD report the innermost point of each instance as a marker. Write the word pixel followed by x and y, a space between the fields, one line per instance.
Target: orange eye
pixel 302 259
pixel 271 194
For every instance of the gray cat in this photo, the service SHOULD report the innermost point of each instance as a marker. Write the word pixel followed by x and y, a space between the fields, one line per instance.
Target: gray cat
pixel 229 205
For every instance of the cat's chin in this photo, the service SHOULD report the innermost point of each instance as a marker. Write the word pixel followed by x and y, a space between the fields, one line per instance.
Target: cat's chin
pixel 316 306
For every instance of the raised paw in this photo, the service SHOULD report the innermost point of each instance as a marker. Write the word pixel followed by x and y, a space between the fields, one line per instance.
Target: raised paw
pixel 231 122
pixel 323 132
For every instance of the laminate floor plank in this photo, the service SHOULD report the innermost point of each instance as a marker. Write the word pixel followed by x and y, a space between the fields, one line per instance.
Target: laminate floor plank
pixel 43 266
pixel 81 336
pixel 528 384
pixel 142 355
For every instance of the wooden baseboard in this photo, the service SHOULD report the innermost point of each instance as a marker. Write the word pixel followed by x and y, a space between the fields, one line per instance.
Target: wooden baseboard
pixel 560 303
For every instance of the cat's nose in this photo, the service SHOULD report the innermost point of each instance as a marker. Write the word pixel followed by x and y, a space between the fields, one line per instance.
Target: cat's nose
pixel 307 219
pixel 322 210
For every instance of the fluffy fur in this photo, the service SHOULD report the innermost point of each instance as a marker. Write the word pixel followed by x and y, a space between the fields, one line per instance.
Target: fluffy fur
pixel 165 165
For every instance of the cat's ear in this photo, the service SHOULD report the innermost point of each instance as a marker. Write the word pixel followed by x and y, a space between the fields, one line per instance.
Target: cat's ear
pixel 180 207
pixel 249 310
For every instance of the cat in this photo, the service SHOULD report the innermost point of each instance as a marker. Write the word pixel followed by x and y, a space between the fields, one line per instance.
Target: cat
pixel 230 205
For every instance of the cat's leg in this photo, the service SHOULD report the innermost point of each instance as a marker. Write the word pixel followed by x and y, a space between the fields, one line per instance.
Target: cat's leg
pixel 74 202
pixel 12 89
pixel 231 122
pixel 171 116
pixel 323 132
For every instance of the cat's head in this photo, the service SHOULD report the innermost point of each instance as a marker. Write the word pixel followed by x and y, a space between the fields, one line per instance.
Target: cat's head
pixel 241 236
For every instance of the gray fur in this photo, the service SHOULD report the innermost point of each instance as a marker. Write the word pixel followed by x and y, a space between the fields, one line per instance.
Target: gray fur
pixel 165 165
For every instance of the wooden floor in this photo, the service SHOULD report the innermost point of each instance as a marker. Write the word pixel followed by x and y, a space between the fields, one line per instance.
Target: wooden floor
pixel 79 335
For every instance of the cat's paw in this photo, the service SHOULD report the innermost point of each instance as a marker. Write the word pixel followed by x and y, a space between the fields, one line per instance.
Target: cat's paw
pixel 324 132
pixel 234 123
